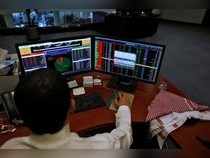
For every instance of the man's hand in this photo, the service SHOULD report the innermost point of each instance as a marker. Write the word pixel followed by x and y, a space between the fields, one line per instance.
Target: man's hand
pixel 122 99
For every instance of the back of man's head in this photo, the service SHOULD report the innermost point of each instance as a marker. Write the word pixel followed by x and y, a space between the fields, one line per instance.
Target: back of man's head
pixel 43 101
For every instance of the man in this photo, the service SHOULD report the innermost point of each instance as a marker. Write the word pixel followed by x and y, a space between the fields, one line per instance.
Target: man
pixel 43 102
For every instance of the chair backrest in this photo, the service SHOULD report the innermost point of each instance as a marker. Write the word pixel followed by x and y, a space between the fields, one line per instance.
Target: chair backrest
pixel 10 107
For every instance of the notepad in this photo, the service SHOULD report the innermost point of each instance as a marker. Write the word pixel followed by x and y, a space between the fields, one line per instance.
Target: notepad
pixel 72 84
pixel 78 91
pixel 97 82
pixel 88 81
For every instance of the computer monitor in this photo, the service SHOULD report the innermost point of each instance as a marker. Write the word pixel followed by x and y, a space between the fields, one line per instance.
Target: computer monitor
pixel 128 59
pixel 66 56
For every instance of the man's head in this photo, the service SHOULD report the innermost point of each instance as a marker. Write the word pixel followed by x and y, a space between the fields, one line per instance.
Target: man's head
pixel 43 101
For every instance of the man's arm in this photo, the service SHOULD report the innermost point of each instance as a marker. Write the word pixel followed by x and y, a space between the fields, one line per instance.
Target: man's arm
pixel 121 136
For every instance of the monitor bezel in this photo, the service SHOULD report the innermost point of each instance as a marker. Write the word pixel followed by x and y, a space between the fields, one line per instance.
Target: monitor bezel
pixel 23 73
pixel 133 41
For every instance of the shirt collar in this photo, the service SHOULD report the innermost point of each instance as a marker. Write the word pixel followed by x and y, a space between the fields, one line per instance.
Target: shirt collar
pixel 50 140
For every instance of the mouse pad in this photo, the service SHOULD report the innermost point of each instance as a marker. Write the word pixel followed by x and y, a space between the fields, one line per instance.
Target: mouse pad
pixel 110 101
pixel 87 102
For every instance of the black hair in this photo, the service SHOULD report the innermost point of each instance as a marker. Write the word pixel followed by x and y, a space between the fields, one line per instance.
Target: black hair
pixel 43 101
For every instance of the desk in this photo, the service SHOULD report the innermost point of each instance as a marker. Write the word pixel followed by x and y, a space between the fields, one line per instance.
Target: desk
pixel 144 94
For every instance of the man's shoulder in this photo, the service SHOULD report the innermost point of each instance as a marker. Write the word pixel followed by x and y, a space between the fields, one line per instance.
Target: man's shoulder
pixel 15 143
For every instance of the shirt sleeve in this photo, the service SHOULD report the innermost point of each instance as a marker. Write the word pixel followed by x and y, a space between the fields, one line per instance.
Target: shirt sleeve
pixel 121 136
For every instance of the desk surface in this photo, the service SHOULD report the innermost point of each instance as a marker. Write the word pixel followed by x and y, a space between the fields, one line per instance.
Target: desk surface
pixel 144 94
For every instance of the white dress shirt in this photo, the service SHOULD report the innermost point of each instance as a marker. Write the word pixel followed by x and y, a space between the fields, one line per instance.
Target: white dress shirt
pixel 118 138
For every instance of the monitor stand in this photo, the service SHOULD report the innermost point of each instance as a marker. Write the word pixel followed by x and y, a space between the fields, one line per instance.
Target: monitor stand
pixel 122 83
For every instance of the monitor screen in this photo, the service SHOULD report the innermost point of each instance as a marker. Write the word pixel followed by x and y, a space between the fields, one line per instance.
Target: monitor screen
pixel 65 56
pixel 136 60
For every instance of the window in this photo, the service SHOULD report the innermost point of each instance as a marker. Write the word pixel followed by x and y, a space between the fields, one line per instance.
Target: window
pixel 49 18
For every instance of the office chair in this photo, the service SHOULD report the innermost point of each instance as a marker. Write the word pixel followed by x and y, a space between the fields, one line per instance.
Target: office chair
pixel 10 108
